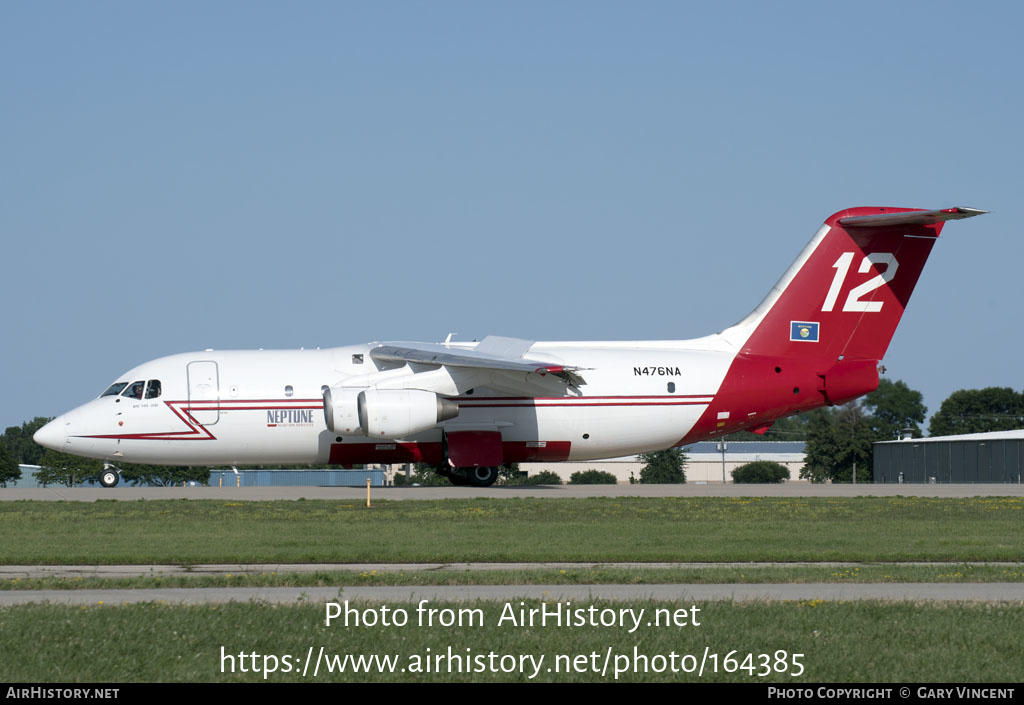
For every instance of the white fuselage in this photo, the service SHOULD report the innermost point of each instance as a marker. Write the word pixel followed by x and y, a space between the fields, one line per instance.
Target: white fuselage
pixel 238 407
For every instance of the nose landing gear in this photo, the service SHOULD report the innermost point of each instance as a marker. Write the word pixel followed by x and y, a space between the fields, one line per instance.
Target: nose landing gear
pixel 110 476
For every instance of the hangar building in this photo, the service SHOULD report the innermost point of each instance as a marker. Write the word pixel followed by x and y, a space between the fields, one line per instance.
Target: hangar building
pixel 977 457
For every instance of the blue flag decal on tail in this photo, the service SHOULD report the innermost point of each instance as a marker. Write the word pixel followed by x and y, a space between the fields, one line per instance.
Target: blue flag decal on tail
pixel 803 331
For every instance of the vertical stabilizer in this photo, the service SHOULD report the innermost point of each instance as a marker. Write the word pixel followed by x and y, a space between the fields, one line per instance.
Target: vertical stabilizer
pixel 845 294
pixel 818 336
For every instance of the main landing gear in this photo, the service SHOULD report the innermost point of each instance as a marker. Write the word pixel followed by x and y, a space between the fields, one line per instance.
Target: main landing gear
pixel 481 476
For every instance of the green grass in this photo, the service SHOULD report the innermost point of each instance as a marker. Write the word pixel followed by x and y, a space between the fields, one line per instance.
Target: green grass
pixel 869 529
pixel 867 573
pixel 856 642
pixel 841 642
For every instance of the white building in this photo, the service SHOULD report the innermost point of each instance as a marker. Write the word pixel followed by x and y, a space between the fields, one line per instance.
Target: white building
pixel 704 461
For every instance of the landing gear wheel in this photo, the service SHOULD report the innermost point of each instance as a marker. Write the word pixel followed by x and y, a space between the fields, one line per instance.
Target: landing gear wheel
pixel 482 476
pixel 109 478
pixel 457 478
pixel 454 476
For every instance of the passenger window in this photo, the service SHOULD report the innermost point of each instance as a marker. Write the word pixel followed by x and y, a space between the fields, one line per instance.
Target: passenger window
pixel 114 389
pixel 153 389
pixel 134 390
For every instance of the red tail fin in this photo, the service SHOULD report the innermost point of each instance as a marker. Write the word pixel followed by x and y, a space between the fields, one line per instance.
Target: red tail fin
pixel 819 334
pixel 845 295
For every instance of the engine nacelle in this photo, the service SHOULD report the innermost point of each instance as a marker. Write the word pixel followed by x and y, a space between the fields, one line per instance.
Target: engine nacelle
pixel 396 413
pixel 341 410
pixel 385 413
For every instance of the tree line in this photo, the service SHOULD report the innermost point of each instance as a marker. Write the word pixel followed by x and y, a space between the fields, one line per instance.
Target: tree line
pixel 839 439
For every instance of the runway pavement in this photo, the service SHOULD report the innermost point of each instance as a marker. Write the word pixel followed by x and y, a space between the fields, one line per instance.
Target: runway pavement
pixel 789 489
pixel 901 592
pixel 24 572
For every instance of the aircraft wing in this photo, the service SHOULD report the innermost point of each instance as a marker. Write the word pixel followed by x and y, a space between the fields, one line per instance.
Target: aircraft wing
pixel 494 353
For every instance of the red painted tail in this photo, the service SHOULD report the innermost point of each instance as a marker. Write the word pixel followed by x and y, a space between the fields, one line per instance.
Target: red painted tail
pixel 845 295
pixel 818 336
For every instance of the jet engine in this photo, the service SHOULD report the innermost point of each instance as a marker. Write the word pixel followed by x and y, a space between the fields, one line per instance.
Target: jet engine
pixel 385 413
pixel 341 410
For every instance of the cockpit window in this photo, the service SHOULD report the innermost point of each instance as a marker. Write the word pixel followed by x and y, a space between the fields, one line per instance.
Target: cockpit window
pixel 114 389
pixel 134 390
pixel 153 389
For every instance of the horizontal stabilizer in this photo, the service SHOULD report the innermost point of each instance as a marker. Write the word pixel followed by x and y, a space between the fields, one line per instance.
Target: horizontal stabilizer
pixel 887 220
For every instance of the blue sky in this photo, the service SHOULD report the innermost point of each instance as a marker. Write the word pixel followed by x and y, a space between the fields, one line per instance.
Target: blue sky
pixel 193 175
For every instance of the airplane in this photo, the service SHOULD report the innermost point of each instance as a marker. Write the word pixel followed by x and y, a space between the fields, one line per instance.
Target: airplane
pixel 816 339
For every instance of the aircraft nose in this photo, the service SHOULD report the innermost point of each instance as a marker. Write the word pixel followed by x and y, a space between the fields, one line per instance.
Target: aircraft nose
pixel 52 434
